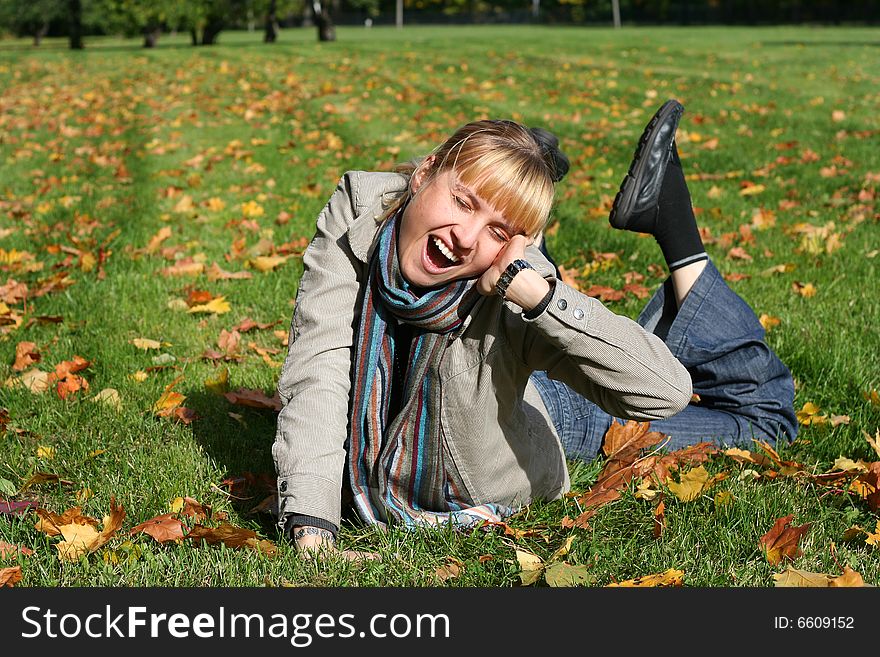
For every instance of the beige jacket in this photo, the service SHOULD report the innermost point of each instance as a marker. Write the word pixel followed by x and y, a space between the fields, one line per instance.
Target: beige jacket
pixel 493 421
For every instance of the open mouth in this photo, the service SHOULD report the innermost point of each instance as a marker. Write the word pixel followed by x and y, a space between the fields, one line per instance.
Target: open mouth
pixel 439 255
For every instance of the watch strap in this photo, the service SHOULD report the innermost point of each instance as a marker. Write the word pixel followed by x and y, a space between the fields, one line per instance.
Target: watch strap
pixel 507 275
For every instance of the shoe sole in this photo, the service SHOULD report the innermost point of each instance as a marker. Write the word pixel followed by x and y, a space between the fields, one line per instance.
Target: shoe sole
pixel 623 201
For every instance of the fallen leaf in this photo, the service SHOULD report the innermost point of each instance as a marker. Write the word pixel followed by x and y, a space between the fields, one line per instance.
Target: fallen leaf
pixel 562 574
pixel 781 542
pixel 531 567
pixel 792 577
pixel 8 550
pixel 17 508
pixel 110 397
pixel 219 382
pixel 232 537
pixel 670 577
pixel 450 570
pixel 146 343
pixel 217 306
pixel 267 263
pixel 26 354
pixel 162 528
pixel 254 399
pixel 10 576
pixel 692 484
pixel 81 539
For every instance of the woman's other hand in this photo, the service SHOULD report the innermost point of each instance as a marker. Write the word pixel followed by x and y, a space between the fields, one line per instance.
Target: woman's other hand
pixel 528 287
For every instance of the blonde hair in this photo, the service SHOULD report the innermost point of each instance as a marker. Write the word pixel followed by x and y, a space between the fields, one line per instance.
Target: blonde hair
pixel 502 162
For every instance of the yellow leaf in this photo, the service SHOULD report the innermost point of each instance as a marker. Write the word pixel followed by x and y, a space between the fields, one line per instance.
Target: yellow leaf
pixel 140 376
pixel 219 383
pixel 168 402
pixel 146 343
pixel 564 574
pixel 252 209
pixel 806 579
pixel 44 452
pixel 562 551
pixel 844 463
pixel 36 381
pixel 722 499
pixel 691 484
pixel 768 321
pixel 215 204
pixel 217 305
pixel 176 505
pixel 109 396
pixel 874 538
pixel 752 190
pixel 670 577
pixel 267 263
pixel 531 567
pixel 873 442
pixel 77 541
pixel 185 204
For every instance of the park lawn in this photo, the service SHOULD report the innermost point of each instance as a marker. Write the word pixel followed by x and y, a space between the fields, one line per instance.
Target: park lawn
pixel 128 173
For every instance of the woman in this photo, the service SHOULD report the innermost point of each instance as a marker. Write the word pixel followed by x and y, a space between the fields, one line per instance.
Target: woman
pixel 440 367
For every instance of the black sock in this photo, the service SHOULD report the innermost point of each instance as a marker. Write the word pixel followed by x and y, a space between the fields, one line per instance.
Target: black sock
pixel 676 228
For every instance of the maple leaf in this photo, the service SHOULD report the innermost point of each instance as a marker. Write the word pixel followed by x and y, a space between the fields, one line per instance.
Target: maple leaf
pixel 8 549
pixel 50 522
pixel 781 542
pixel 563 574
pixel 83 539
pixel 26 354
pixel 217 306
pixel 670 577
pixel 254 399
pixel 267 263
pixel 146 343
pixel 10 576
pixel 16 508
pixel 165 527
pixel 803 578
pixel 622 441
pixel 449 570
pixel 215 273
pixel 693 483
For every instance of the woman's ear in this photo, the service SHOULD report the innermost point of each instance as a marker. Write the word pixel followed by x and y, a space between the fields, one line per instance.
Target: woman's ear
pixel 421 173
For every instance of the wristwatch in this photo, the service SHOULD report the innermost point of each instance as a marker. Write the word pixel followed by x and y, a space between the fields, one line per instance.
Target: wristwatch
pixel 506 277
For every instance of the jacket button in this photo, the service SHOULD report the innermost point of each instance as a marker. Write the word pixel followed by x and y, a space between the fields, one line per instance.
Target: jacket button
pixel 283 486
pixel 578 313
pixel 562 304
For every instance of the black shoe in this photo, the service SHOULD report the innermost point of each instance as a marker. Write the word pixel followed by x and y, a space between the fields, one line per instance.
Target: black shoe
pixel 635 206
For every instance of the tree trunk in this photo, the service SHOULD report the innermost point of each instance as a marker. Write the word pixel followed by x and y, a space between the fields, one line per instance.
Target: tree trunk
pixel 194 36
pixel 271 24
pixel 212 29
pixel 324 21
pixel 151 36
pixel 74 8
pixel 40 32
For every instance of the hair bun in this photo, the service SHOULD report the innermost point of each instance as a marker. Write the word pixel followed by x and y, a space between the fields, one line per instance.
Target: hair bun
pixel 556 160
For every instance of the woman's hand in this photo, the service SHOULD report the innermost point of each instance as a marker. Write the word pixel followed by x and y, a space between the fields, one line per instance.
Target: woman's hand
pixel 317 542
pixel 528 287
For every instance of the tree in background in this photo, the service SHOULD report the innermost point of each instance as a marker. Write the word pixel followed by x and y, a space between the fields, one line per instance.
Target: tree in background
pixel 146 17
pixel 31 18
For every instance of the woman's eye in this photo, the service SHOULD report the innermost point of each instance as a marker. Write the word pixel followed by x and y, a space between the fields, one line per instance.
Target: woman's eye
pixel 499 235
pixel 461 203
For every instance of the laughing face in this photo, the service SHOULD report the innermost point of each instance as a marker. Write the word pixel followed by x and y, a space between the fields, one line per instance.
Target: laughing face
pixel 448 232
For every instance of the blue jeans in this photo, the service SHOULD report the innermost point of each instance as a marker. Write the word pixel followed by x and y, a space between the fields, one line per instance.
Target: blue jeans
pixel 745 391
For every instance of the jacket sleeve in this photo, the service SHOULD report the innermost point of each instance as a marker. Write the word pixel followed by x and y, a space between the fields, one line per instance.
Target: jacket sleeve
pixel 309 449
pixel 607 358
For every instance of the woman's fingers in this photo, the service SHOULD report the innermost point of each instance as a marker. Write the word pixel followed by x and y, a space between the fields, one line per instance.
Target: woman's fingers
pixel 515 248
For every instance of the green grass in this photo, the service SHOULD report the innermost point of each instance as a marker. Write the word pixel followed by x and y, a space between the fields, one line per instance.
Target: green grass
pixel 304 113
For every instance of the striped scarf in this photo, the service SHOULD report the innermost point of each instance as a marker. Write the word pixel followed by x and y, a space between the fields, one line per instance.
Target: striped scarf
pixel 399 467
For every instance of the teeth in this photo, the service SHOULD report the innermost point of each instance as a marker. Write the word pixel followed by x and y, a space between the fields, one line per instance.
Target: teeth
pixel 445 251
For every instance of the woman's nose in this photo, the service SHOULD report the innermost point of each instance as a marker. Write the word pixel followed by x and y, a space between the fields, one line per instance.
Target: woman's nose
pixel 465 235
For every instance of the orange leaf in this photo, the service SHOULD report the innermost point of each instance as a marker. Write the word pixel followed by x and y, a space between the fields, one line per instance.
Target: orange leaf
pixel 670 577
pixel 162 528
pixel 781 542
pixel 26 354
pixel 10 576
pixel 49 522
pixel 8 549
pixel 230 536
pixel 254 399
